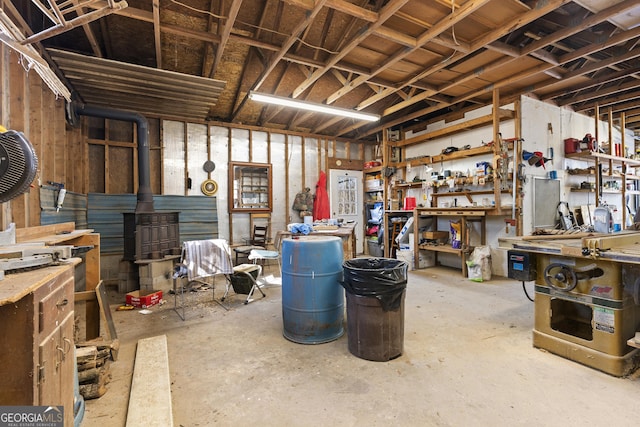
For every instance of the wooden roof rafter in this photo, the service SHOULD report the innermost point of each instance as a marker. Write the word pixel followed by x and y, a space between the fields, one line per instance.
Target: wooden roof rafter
pixel 68 14
pixel 293 37
pixel 443 25
pixel 479 44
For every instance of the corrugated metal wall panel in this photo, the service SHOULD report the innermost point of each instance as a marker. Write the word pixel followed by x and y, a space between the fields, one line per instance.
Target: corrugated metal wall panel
pixel 105 217
pixel 74 208
pixel 198 217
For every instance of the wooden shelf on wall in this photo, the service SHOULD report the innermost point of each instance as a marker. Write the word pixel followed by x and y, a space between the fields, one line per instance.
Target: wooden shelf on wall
pixel 593 155
pixel 456 155
pixel 460 127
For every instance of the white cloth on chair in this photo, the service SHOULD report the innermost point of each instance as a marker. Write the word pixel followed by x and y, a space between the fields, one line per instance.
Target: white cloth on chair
pixel 205 258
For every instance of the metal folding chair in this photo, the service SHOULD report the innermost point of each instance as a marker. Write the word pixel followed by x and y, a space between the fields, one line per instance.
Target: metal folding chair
pixel 245 281
pixel 201 259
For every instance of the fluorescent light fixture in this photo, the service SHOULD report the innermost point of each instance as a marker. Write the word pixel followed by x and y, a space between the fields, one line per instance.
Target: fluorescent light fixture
pixel 304 105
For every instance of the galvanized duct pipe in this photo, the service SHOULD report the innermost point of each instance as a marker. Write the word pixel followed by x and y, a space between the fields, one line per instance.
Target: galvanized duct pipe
pixel 144 195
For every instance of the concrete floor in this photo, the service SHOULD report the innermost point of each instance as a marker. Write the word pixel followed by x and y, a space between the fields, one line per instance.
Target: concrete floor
pixel 467 360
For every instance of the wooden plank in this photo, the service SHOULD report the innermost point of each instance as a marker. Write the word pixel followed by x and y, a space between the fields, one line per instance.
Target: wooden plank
pixel 29 234
pixel 461 127
pixel 85 296
pixel 35 138
pixel 46 163
pixel 150 396
pixel 105 309
pixel 571 251
pixel 59 141
pixel 17 121
pixel 612 241
pixel 349 164
pixel 558 236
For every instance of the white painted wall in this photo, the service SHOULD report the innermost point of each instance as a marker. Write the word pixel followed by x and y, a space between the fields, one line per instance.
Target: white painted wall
pixel 286 154
pixel 544 127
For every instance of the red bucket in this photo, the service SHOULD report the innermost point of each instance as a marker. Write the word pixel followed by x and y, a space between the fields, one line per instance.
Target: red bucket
pixel 409 203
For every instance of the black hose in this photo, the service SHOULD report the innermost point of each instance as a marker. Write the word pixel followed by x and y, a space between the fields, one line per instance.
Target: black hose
pixel 525 292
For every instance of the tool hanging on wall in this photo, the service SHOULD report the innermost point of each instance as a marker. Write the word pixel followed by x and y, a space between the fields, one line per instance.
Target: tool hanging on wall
pixel 209 187
pixel 61 193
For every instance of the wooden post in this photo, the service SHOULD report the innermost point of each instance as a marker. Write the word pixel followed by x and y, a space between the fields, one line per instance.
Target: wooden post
pixel 517 155
pixel 496 148
pixel 597 136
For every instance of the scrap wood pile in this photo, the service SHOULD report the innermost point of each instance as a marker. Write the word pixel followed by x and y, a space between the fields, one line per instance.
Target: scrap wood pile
pixel 94 359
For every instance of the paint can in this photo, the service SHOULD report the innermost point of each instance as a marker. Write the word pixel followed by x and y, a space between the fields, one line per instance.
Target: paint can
pixel 312 296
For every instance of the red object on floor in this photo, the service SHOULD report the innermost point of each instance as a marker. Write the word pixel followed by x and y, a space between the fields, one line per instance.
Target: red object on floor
pixel 143 299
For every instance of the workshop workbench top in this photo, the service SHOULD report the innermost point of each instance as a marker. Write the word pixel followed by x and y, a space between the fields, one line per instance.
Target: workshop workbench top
pixel 16 285
pixel 619 247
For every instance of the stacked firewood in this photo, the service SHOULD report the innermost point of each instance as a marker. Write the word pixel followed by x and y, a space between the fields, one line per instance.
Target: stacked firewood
pixel 94 359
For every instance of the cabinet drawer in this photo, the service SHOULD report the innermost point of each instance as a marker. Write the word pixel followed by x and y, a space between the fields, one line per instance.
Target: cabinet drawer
pixel 54 307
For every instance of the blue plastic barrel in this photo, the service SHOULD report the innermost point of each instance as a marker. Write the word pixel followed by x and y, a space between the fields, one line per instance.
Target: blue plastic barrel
pixel 312 297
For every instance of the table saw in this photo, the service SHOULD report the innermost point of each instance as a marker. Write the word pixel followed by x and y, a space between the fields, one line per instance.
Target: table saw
pixel 587 295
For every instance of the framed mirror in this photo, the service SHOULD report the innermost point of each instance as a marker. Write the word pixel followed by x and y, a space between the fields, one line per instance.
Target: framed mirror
pixel 249 187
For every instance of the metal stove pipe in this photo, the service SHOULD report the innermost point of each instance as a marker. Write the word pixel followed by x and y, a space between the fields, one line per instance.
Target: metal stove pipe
pixel 145 197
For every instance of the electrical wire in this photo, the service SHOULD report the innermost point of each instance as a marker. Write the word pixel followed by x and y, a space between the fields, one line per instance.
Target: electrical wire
pixel 525 292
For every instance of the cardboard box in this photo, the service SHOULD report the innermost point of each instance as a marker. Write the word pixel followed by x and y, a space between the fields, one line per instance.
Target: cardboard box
pixel 143 298
pixel 432 235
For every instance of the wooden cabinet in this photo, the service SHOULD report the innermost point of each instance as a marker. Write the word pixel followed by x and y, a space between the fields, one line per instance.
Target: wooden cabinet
pixel 36 326
pixel 66 234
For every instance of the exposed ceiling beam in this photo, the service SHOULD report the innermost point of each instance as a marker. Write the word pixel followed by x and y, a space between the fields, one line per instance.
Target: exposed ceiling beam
pixel 63 25
pixel 517 22
pixel 95 47
pixel 275 59
pixel 467 9
pixel 387 12
pixel 226 32
pixel 155 5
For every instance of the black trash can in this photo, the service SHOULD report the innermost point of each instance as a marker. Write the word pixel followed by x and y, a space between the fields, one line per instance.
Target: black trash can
pixel 375 289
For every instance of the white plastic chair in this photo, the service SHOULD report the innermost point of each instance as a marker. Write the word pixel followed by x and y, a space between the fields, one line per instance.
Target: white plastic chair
pixel 263 254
